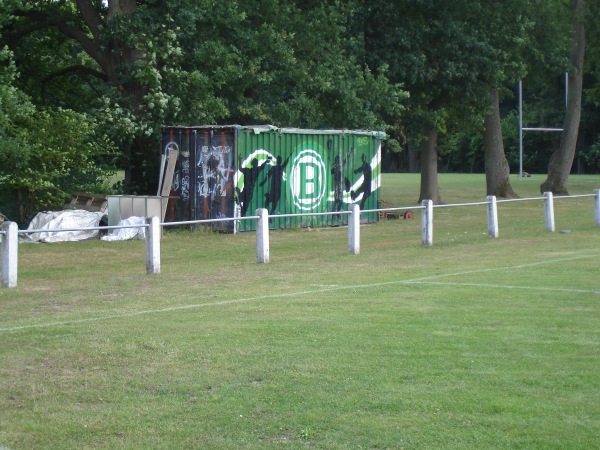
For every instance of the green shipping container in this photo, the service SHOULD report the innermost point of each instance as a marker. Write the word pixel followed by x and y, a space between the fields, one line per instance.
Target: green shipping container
pixel 288 171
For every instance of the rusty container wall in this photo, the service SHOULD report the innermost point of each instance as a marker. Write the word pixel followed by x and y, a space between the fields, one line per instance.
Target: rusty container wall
pixel 294 171
pixel 203 179
pixel 180 206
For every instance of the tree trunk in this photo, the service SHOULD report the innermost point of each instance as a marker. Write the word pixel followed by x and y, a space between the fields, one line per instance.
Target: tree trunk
pixel 116 57
pixel 121 7
pixel 497 170
pixel 561 160
pixel 141 156
pixel 429 167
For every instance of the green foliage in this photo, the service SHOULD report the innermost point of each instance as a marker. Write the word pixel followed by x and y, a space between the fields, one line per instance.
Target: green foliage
pixel 423 45
pixel 450 55
pixel 280 62
pixel 203 62
pixel 46 154
pixel 548 40
pixel 590 120
pixel 14 104
pixel 383 64
pixel 392 146
pixel 591 156
pixel 15 111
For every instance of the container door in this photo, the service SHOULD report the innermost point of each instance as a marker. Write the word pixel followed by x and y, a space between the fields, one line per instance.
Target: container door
pixel 214 169
pixel 261 177
pixel 363 172
pixel 180 205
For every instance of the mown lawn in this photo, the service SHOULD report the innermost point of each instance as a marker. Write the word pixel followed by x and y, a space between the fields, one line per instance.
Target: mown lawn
pixel 471 343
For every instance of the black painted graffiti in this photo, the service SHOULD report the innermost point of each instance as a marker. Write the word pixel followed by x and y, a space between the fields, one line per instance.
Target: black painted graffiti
pixel 183 180
pixel 338 179
pixel 216 171
pixel 365 188
pixel 275 174
pixel 250 177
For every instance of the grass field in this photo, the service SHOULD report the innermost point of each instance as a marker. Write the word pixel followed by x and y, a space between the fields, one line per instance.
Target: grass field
pixel 471 343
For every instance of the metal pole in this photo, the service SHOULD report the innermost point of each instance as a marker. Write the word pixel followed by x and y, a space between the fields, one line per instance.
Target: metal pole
pixel 597 207
pixel 262 236
pixel 549 211
pixel 427 223
pixel 354 230
pixel 492 216
pixel 520 129
pixel 10 249
pixel 153 246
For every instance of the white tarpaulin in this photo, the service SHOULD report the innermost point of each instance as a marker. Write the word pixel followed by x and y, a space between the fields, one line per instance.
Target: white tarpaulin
pixel 64 220
pixel 124 234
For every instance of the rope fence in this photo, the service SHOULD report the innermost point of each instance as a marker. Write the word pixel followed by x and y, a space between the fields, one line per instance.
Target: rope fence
pixel 9 232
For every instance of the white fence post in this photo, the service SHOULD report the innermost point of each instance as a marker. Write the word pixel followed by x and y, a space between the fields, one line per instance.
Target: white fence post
pixel 262 236
pixel 597 207
pixel 427 223
pixel 492 216
pixel 549 211
pixel 354 230
pixel 10 250
pixel 153 246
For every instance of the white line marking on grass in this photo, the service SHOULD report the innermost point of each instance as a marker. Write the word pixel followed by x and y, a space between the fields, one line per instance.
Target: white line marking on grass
pixel 496 269
pixel 421 280
pixel 501 286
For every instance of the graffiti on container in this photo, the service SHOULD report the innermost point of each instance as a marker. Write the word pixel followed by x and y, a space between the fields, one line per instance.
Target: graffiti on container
pixel 365 187
pixel 338 179
pixel 276 174
pixel 185 179
pixel 228 172
pixel 171 146
pixel 247 176
pixel 215 171
pixel 313 180
pixel 362 141
pixel 308 180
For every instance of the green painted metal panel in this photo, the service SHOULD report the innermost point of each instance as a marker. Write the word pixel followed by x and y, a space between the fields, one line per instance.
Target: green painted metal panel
pixel 295 171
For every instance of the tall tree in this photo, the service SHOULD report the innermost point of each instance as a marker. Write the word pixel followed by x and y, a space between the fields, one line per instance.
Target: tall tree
pixel 45 153
pixel 201 62
pixel 516 32
pixel 590 126
pixel 561 160
pixel 103 48
pixel 503 27
pixel 444 55
pixel 529 39
pixel 497 170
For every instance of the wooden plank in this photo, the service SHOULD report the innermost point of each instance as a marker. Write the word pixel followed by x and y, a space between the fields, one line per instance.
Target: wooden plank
pixel 87 202
pixel 163 159
pixel 168 180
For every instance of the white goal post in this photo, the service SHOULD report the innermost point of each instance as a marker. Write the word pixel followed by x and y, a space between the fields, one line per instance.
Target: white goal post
pixel 544 129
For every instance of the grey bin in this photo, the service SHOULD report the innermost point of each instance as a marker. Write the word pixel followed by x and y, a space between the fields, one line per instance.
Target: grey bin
pixel 122 207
